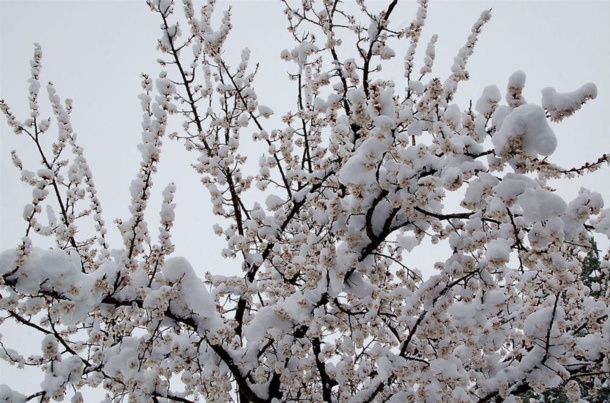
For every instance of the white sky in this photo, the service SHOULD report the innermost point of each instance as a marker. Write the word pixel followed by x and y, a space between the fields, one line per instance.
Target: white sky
pixel 94 51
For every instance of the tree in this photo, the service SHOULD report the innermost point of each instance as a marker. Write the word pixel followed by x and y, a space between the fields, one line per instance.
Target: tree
pixel 596 279
pixel 591 388
pixel 328 307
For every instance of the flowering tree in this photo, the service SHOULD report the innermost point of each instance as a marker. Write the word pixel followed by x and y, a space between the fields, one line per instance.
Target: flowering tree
pixel 353 180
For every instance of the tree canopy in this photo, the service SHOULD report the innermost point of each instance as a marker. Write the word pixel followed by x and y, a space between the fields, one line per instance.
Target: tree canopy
pixel 361 172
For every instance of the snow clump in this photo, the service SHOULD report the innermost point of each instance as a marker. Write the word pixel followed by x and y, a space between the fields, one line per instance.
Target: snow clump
pixel 561 105
pixel 525 129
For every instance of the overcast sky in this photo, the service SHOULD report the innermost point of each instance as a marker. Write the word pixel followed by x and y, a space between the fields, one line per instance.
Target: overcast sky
pixel 94 52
